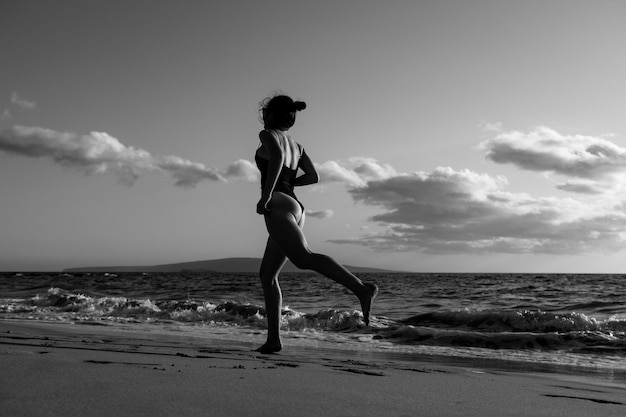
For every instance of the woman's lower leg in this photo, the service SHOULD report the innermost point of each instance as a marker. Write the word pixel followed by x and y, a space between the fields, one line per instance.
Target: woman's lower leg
pixel 273 307
pixel 330 268
pixel 273 261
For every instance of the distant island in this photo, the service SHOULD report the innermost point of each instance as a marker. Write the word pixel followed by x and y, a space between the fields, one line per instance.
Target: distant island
pixel 214 265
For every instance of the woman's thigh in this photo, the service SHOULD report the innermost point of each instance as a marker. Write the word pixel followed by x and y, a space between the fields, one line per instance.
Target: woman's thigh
pixel 273 261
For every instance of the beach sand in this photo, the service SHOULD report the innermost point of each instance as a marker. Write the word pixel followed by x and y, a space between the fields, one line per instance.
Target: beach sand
pixel 61 369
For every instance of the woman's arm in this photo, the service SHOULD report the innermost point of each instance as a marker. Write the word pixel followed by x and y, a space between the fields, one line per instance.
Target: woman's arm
pixel 276 159
pixel 310 175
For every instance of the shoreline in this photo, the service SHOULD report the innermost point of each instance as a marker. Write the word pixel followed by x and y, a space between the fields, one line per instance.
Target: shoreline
pixel 103 370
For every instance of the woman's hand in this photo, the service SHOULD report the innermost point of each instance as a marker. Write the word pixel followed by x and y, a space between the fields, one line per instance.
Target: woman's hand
pixel 261 206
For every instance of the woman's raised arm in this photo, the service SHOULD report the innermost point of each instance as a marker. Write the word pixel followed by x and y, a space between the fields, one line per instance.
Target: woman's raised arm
pixel 310 175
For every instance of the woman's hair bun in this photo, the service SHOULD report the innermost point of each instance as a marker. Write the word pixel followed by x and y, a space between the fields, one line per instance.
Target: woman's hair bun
pixel 299 105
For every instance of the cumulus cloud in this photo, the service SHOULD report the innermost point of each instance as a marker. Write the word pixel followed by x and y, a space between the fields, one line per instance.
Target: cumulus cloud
pixel 5 115
pixel 187 173
pixel 356 172
pixel 242 169
pixel 22 103
pixel 99 152
pixel 546 150
pixel 426 196
pixel 449 211
pixel 322 214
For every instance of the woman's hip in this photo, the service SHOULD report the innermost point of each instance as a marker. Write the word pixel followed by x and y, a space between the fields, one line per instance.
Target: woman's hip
pixel 282 202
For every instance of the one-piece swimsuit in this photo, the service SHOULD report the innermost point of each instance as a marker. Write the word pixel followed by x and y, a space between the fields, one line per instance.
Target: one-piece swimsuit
pixel 286 178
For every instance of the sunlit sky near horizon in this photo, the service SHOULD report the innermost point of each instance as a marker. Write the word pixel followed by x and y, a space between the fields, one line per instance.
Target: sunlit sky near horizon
pixel 450 136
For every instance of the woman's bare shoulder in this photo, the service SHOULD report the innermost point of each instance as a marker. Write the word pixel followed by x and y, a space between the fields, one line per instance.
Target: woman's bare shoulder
pixel 270 141
pixel 268 135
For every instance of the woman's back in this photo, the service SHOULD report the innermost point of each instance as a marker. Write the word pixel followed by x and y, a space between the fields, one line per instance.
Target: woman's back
pixel 291 150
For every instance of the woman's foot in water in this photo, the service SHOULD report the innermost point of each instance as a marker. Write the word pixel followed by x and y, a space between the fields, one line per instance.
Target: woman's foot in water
pixel 366 301
pixel 270 347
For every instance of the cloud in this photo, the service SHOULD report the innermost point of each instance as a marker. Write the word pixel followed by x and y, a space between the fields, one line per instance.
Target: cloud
pixel 546 150
pixel 5 115
pixel 491 126
pixel 322 214
pixel 242 169
pixel 22 103
pixel 449 211
pixel 187 173
pixel 582 187
pixel 99 152
pixel 426 196
pixel 356 172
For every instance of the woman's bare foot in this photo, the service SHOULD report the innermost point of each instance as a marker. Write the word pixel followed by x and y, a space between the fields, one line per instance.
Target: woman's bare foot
pixel 272 347
pixel 366 301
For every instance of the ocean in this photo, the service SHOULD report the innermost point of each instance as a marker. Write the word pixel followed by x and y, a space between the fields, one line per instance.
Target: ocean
pixel 574 322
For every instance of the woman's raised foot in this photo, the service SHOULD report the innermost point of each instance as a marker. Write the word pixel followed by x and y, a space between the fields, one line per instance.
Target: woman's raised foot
pixel 366 301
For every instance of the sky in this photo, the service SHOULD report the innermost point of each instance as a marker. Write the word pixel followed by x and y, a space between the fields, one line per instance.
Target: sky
pixel 450 136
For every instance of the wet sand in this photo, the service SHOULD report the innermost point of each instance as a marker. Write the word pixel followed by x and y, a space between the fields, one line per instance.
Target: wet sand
pixel 60 369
